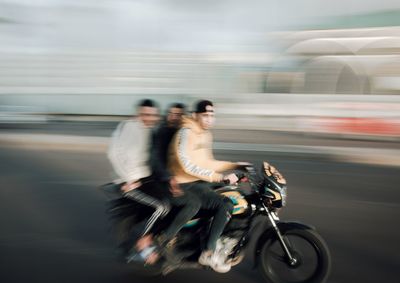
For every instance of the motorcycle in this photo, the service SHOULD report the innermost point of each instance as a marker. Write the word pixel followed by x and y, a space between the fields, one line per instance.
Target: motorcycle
pixel 284 251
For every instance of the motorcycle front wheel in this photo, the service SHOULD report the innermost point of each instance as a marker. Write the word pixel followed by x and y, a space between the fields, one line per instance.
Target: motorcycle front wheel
pixel 308 248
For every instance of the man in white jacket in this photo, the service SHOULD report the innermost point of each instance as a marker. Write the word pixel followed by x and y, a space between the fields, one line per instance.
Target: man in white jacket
pixel 129 153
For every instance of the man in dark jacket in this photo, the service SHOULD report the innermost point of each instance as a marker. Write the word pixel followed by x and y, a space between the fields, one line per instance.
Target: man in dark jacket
pixel 190 204
pixel 162 137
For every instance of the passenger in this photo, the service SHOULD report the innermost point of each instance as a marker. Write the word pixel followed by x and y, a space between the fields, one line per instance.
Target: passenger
pixel 129 153
pixel 190 204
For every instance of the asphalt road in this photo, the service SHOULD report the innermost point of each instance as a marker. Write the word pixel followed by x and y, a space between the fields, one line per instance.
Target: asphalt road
pixel 54 229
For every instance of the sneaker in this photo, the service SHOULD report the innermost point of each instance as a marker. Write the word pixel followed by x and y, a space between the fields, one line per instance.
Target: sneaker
pixel 215 261
pixel 206 258
pixel 220 266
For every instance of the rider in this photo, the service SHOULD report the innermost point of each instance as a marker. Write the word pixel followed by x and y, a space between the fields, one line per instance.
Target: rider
pixel 129 153
pixel 194 167
pixel 190 204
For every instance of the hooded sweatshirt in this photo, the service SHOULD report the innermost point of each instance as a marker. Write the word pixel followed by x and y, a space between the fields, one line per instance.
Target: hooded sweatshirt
pixel 191 158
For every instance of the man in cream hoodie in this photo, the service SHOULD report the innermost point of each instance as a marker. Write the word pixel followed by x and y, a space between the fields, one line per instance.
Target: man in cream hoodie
pixel 194 167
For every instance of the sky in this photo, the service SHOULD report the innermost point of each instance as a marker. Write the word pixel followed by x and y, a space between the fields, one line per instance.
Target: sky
pixel 180 25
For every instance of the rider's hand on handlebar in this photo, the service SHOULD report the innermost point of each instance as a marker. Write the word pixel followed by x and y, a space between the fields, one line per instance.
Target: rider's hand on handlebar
pixel 232 178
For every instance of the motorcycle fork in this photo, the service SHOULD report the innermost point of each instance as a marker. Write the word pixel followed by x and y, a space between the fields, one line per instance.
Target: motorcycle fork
pixel 290 257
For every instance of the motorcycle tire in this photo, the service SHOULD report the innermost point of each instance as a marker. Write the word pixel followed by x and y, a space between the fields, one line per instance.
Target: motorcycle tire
pixel 310 250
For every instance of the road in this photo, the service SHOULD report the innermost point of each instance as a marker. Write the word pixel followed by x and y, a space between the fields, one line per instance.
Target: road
pixel 54 228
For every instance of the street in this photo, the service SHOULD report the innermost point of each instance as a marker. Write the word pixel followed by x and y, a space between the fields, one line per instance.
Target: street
pixel 54 227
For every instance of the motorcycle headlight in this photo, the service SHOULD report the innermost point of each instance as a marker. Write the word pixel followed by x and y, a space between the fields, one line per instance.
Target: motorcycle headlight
pixel 274 185
pixel 277 194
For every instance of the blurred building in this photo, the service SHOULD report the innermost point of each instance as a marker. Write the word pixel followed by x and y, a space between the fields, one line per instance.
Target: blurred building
pixel 359 61
pixel 333 79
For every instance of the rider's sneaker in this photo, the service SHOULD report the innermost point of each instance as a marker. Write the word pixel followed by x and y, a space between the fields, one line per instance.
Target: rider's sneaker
pixel 205 258
pixel 220 266
pixel 214 261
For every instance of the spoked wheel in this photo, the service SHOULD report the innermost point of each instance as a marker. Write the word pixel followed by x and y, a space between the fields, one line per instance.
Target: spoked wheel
pixel 311 254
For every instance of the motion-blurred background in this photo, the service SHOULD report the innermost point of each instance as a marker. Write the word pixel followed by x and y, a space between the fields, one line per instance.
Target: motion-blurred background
pixel 312 86
pixel 307 66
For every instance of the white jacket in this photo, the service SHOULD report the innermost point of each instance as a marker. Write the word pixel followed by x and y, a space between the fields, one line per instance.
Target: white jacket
pixel 129 151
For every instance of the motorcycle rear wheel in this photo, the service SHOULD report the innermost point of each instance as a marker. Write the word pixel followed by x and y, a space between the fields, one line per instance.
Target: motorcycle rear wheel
pixel 310 251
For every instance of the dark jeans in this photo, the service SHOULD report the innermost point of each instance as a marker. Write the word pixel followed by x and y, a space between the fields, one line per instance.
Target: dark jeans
pixel 157 195
pixel 212 201
pixel 190 205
